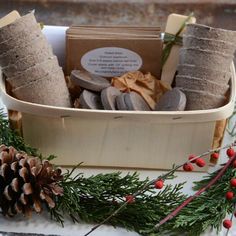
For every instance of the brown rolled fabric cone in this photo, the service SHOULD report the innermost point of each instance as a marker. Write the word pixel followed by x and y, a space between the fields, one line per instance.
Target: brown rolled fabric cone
pixel 213 75
pixel 36 46
pixel 205 58
pixel 25 63
pixel 20 39
pixel 21 26
pixel 203 31
pixel 50 90
pixel 193 83
pixel 209 44
pixel 199 100
pixel 35 72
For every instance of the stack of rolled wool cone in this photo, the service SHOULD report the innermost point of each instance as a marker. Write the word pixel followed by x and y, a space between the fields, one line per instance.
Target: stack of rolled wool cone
pixel 31 69
pixel 204 70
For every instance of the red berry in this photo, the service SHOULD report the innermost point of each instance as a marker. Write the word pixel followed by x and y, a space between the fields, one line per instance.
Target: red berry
pixel 129 198
pixel 234 164
pixel 227 224
pixel 191 157
pixel 159 184
pixel 233 182
pixel 200 162
pixel 215 155
pixel 188 167
pixel 229 195
pixel 235 214
pixel 230 152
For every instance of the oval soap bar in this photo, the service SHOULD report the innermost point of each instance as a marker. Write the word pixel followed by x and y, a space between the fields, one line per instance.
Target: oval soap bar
pixel 135 102
pixel 173 100
pixel 89 81
pixel 120 102
pixel 108 97
pixel 90 100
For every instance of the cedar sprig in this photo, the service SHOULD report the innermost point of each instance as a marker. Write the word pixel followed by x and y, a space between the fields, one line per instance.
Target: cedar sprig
pixel 93 199
pixel 11 138
pixel 210 208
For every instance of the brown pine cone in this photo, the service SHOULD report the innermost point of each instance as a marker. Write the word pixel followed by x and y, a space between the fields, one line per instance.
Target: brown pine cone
pixel 26 182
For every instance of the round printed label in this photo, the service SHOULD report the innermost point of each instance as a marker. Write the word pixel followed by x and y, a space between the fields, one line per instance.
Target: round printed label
pixel 111 61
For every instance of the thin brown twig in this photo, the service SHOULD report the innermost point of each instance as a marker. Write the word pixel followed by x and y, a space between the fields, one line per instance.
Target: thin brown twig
pixel 199 192
pixel 146 186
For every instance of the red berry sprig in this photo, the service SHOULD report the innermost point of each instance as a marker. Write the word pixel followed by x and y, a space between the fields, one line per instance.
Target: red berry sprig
pixel 159 184
pixel 227 223
pixel 230 152
pixel 130 199
pixel 229 195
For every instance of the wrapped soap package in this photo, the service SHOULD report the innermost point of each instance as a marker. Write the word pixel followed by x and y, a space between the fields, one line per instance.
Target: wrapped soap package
pixel 113 51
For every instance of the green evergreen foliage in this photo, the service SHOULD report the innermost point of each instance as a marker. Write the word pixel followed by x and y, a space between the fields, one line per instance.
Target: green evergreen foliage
pixel 95 198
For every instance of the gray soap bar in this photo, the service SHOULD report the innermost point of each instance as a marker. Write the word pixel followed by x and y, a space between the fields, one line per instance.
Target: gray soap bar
pixel 173 100
pixel 135 102
pixel 120 102
pixel 90 100
pixel 108 97
pixel 89 81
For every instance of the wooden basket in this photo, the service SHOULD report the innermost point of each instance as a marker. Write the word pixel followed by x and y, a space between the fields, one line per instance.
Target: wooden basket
pixel 133 139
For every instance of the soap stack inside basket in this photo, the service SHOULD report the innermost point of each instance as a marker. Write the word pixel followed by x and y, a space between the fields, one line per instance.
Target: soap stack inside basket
pixel 204 69
pixel 27 61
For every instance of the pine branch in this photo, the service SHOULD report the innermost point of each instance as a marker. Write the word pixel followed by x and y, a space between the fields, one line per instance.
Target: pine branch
pixel 94 199
pixel 210 208
pixel 199 192
pixel 11 138
pixel 149 184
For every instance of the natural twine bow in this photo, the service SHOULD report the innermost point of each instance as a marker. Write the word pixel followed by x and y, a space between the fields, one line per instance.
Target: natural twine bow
pixel 170 40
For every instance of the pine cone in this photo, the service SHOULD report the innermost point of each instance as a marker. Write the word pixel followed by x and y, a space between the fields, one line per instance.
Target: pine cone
pixel 26 182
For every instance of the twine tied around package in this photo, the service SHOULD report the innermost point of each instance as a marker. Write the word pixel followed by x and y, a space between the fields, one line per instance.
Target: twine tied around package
pixel 173 39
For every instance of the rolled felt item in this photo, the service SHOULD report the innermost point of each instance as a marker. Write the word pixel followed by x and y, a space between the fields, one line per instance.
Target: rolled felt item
pixel 209 44
pixel 25 63
pixel 20 39
pixel 194 83
pixel 173 100
pixel 108 98
pixel 205 58
pixel 22 26
pixel 203 31
pixel 214 75
pixel 50 90
pixel 89 81
pixel 35 72
pixel 199 100
pixel 25 50
pixel 120 102
pixel 90 100
pixel 135 102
